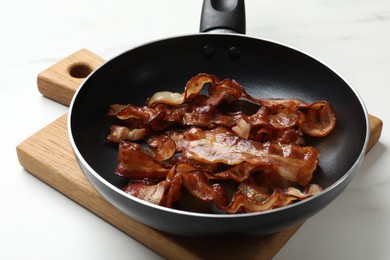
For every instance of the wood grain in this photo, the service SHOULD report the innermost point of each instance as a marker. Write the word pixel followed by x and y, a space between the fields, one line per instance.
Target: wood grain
pixel 61 80
pixel 47 155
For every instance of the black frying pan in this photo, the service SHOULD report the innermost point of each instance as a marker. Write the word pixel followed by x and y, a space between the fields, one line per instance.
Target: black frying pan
pixel 266 70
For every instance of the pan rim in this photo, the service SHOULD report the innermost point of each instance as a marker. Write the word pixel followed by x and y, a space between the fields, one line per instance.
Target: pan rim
pixel 118 191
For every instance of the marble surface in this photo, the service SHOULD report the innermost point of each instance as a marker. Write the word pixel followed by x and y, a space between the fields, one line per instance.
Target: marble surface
pixel 37 222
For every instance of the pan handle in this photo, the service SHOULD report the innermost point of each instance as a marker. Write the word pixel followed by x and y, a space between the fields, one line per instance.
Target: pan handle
pixel 223 16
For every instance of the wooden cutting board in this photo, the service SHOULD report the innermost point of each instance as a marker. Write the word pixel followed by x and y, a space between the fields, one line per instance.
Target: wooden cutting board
pixel 48 155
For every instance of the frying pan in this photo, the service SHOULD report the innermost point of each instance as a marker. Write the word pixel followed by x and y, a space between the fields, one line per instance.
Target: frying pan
pixel 266 69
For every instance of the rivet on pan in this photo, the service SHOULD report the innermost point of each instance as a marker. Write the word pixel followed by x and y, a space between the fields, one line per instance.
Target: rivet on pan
pixel 208 51
pixel 234 53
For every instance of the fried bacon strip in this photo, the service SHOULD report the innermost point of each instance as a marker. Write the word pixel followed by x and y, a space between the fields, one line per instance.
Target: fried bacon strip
pixel 191 90
pixel 279 198
pixel 237 173
pixel 294 163
pixel 168 191
pixel 119 133
pixel 135 163
pixel 252 197
pixel 148 191
pixel 210 144
pixel 317 119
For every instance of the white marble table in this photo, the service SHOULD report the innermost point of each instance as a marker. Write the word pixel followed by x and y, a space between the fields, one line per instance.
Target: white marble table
pixel 37 222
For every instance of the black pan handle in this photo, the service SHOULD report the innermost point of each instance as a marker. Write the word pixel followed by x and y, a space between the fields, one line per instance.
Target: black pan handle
pixel 223 16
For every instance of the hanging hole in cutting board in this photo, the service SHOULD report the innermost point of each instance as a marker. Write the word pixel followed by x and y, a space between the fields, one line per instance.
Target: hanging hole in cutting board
pixel 80 70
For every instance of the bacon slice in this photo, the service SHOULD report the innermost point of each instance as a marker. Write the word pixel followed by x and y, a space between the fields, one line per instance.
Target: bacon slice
pixel 192 90
pixel 285 136
pixel 196 84
pixel 240 203
pixel 197 184
pixel 239 173
pixel 124 112
pixel 282 117
pixel 252 197
pixel 120 133
pixel 176 136
pixel 168 191
pixel 282 102
pixel 166 97
pixel 150 192
pixel 294 163
pixel 135 163
pixel 318 119
pixel 166 149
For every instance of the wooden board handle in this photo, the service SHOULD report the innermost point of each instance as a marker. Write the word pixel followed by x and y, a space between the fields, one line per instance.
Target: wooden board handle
pixel 60 81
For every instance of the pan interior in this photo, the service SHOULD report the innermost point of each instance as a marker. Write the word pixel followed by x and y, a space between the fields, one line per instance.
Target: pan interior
pixel 264 69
